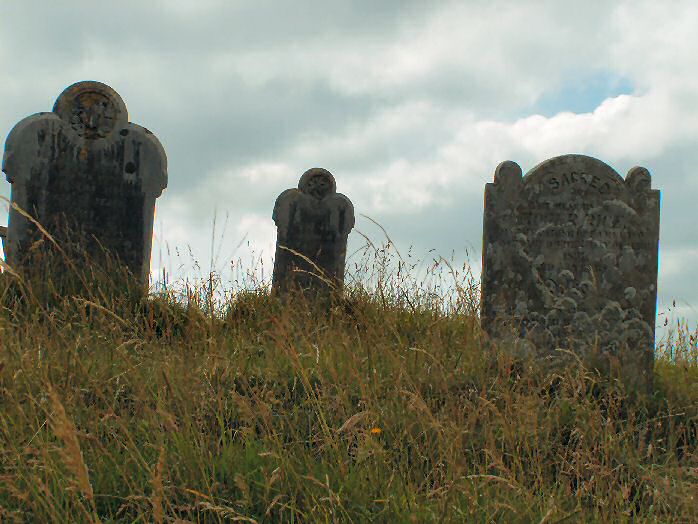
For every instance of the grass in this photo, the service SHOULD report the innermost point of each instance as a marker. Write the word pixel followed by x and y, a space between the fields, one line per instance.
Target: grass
pixel 390 406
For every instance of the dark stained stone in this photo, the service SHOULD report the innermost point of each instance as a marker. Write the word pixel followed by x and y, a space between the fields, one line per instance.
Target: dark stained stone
pixel 84 169
pixel 313 223
pixel 3 235
pixel 570 261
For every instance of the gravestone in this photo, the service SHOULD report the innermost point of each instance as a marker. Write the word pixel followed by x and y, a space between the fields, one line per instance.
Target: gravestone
pixel 570 261
pixel 83 171
pixel 313 223
pixel 3 234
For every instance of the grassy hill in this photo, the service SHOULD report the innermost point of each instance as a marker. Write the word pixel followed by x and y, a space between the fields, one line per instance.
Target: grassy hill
pixel 389 407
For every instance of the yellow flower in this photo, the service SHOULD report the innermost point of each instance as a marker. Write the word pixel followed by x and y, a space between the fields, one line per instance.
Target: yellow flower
pixel 376 431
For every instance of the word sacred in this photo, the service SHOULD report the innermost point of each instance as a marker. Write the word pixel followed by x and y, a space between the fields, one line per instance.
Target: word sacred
pixel 557 182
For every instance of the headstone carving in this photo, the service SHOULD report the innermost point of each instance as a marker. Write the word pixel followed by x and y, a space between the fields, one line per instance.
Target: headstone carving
pixel 86 169
pixel 313 223
pixel 570 261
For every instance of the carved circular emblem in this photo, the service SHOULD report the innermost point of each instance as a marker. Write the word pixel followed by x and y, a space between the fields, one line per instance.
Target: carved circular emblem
pixel 317 182
pixel 93 115
pixel 92 109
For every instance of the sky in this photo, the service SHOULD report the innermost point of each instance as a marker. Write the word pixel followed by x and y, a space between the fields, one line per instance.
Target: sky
pixel 410 104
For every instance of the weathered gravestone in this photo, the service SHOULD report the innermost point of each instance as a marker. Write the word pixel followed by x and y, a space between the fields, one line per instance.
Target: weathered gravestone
pixel 570 261
pixel 313 223
pixel 85 169
pixel 3 234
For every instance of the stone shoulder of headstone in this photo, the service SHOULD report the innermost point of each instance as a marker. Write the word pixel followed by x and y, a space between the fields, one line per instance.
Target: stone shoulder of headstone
pixel 153 162
pixel 344 202
pixel 339 203
pixel 283 210
pixel 24 140
pixel 508 175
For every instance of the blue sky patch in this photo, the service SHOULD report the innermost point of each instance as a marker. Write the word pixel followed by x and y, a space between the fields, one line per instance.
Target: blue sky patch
pixel 582 95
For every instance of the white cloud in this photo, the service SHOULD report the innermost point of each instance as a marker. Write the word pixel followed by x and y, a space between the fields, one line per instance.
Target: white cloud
pixel 656 43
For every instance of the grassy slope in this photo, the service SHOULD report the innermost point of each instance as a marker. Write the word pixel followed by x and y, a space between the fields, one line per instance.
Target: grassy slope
pixel 383 410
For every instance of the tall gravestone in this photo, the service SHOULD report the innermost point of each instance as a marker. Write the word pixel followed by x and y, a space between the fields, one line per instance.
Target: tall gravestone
pixel 85 169
pixel 570 261
pixel 313 223
pixel 3 235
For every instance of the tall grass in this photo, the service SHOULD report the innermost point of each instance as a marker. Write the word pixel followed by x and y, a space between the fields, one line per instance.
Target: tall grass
pixel 207 405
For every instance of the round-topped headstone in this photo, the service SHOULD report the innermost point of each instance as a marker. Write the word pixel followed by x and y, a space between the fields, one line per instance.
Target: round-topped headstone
pixel 570 258
pixel 87 176
pixel 313 223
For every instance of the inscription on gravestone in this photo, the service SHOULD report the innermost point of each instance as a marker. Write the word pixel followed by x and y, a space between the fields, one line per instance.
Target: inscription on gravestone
pixel 570 260
pixel 313 223
pixel 85 169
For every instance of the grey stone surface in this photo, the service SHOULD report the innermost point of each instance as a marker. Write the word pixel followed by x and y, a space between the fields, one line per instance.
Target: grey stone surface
pixel 570 261
pixel 313 223
pixel 84 168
